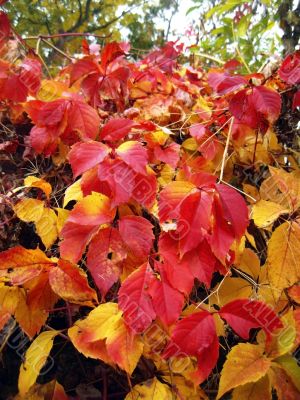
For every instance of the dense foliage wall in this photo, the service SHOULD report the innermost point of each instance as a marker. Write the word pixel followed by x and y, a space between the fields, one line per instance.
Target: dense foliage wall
pixel 150 226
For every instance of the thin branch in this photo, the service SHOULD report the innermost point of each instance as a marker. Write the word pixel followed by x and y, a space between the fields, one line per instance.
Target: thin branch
pixel 66 34
pixel 217 60
pixel 226 148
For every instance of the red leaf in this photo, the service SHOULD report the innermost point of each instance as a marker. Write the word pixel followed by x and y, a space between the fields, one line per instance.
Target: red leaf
pixel 290 69
pixel 104 258
pixel 167 301
pixel 195 336
pixel 176 271
pixel 223 83
pixel 267 102
pixel 134 300
pixel 4 27
pixel 31 74
pixel 111 51
pixel 116 129
pixel 137 233
pixel 194 221
pixel 235 210
pixel 84 156
pixel 82 68
pixel 84 119
pixel 244 314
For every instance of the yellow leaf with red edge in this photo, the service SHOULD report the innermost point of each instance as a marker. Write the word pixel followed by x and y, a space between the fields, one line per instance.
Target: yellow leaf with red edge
pixel 29 210
pixel 35 358
pixel 34 307
pixel 96 349
pixel 99 324
pixel 70 283
pixel 51 390
pixel 245 363
pixel 103 335
pixel 283 267
pixel 33 181
pixel 18 265
pixel 260 390
pixel 83 222
pixel 264 213
pixel 152 389
pixel 46 227
pixel 124 348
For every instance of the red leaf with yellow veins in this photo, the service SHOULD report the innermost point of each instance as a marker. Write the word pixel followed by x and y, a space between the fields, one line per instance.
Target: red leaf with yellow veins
pixel 84 156
pixel 104 258
pixel 243 315
pixel 70 283
pixel 135 301
pixel 83 222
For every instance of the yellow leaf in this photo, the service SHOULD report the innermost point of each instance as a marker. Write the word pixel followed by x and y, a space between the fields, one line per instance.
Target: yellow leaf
pixel 260 390
pixel 100 323
pixel 152 389
pixel 250 263
pixel 46 227
pixel 283 267
pixel 73 192
pixel 29 210
pixel 35 358
pixel 231 289
pixel 123 348
pixel 266 212
pixel 33 181
pixel 62 216
pixel 51 90
pixel 185 389
pixel 245 364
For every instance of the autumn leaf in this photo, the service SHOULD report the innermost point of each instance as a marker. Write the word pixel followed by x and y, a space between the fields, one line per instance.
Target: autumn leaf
pixel 245 363
pixel 266 212
pixel 151 389
pixel 83 222
pixel 283 254
pixel 243 315
pixel 135 301
pixel 35 358
pixel 258 390
pixel 70 283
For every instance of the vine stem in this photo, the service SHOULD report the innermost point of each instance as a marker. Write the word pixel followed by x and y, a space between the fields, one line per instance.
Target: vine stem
pixel 66 34
pixel 226 149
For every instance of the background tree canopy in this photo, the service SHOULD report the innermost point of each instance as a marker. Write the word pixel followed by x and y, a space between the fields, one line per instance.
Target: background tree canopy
pixel 247 30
